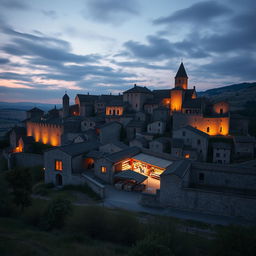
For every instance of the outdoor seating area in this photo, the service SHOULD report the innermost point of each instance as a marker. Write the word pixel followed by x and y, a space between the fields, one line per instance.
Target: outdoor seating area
pixel 129 180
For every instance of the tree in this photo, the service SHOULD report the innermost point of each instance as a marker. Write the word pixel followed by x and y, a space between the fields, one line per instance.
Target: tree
pixel 57 212
pixel 20 181
pixel 5 200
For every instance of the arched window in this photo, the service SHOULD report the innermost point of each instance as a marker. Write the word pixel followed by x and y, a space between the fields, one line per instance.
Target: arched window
pixel 221 111
pixel 208 129
pixel 221 129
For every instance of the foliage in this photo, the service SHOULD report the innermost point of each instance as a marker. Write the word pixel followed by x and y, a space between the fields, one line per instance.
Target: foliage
pixel 37 173
pixel 150 246
pixel 56 213
pixel 6 207
pixel 20 181
pixel 42 189
pixel 3 163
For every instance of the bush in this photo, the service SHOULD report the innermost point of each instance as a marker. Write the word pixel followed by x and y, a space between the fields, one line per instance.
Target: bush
pixel 42 189
pixel 3 164
pixel 6 206
pixel 20 181
pixel 150 246
pixel 56 213
pixel 37 174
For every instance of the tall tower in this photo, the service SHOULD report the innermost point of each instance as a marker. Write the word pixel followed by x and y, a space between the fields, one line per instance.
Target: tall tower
pixel 65 106
pixel 181 78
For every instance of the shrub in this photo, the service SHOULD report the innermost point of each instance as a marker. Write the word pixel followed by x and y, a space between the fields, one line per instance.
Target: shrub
pixel 37 174
pixel 20 181
pixel 6 207
pixel 56 213
pixel 150 246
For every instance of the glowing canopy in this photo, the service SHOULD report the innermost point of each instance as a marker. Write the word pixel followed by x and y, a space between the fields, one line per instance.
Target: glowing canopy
pixel 152 160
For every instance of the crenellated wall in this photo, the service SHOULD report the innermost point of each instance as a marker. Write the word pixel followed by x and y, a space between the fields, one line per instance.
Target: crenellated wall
pixel 45 133
pixel 209 125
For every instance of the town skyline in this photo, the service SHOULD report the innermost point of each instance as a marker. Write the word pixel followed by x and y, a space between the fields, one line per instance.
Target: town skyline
pixel 97 47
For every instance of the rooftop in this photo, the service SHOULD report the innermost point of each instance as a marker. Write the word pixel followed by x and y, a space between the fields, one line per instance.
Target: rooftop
pixel 138 89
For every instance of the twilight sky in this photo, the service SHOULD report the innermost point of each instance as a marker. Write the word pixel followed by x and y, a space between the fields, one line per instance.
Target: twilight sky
pixel 105 46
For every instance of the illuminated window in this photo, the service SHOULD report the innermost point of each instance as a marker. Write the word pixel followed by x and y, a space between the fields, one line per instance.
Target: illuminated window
pixel 58 165
pixel 103 169
pixel 187 155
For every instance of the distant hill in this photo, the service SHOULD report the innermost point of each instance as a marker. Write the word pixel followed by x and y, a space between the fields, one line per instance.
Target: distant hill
pixel 26 105
pixel 238 95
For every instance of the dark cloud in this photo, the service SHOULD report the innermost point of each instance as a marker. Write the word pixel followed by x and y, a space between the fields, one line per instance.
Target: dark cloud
pixel 198 13
pixel 14 76
pixel 50 13
pixel 111 11
pixel 138 64
pixel 4 61
pixel 23 47
pixel 157 48
pixel 14 4
pixel 242 67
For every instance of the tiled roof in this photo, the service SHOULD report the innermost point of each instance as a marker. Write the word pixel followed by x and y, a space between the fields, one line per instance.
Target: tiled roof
pixel 138 89
pixel 131 175
pixel 79 148
pixel 35 109
pixel 178 168
pixel 162 93
pixel 192 129
pixel 121 155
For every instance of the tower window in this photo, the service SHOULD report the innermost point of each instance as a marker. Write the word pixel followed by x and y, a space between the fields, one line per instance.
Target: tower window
pixel 221 111
pixel 221 129
pixel 208 129
pixel 184 133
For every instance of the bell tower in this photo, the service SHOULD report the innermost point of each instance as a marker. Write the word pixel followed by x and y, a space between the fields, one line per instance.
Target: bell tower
pixel 65 105
pixel 181 78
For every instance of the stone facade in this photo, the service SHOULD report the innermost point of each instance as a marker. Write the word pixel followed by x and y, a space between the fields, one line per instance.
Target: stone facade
pixel 227 191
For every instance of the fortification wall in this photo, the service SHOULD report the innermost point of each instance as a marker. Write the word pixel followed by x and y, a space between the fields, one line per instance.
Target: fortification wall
pixel 45 133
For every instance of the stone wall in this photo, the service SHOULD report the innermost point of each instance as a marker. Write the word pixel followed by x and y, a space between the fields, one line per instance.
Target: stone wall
pixel 173 194
pixel 97 187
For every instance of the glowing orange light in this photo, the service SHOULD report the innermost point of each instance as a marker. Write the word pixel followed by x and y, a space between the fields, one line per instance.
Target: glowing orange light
pixel 58 165
pixel 187 156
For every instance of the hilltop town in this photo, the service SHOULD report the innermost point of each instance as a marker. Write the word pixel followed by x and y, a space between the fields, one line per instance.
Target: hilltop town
pixel 173 147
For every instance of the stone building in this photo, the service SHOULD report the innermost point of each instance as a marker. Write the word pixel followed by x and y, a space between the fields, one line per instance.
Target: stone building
pixel 137 97
pixel 210 188
pixel 156 127
pixel 194 138
pixel 64 165
pixel 221 153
